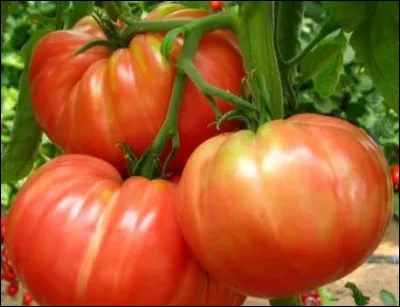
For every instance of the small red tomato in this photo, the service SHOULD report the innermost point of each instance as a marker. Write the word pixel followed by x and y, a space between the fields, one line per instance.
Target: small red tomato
pixel 8 274
pixel 12 289
pixel 311 299
pixel 27 299
pixel 395 176
pixel 216 5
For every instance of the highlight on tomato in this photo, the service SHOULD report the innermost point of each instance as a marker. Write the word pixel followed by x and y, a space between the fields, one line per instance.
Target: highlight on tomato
pixel 102 241
pixel 298 204
pixel 122 96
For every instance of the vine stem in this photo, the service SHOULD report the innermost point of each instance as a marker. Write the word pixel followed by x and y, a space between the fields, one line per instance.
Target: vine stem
pixel 254 28
pixel 149 164
pixel 137 26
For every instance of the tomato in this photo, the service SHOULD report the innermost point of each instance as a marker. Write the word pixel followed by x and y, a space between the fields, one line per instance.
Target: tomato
pixel 27 300
pixel 395 176
pixel 299 204
pixel 311 298
pixel 216 5
pixel 90 103
pixel 77 234
pixel 12 289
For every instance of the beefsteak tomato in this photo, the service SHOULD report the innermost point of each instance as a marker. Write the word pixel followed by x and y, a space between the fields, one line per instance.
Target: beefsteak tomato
pixel 299 204
pixel 91 102
pixel 78 235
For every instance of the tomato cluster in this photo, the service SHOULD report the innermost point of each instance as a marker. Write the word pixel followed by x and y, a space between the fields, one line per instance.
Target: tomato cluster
pixel 8 273
pixel 298 204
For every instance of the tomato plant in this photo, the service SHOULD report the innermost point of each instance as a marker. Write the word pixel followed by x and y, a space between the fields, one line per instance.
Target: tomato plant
pixel 327 220
pixel 279 209
pixel 111 242
pixel 111 92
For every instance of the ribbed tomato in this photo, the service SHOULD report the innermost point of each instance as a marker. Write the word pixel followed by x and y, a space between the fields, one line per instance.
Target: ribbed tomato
pixel 299 204
pixel 78 235
pixel 91 102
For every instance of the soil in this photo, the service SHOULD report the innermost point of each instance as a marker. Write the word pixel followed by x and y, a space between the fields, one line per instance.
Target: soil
pixel 370 278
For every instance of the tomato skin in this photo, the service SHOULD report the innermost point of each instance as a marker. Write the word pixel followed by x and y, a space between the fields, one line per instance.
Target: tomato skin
pixel 395 176
pixel 104 241
pixel 91 102
pixel 299 205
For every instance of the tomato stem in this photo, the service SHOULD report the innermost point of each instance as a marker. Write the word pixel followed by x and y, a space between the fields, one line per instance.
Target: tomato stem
pixel 254 27
pixel 149 164
pixel 137 26
pixel 211 90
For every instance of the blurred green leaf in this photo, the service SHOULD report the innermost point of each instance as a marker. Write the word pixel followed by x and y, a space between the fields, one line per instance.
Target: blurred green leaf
pixel 288 33
pixel 387 298
pixel 19 156
pixel 350 14
pixel 376 43
pixel 324 63
pixel 76 11
pixel 6 9
pixel 359 298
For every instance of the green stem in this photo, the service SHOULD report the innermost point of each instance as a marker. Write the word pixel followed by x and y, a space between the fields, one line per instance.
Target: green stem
pixel 136 27
pixel 211 90
pixel 149 164
pixel 254 28
pixel 288 301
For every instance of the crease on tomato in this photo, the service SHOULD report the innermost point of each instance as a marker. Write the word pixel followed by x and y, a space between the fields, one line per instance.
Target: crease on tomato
pixel 94 246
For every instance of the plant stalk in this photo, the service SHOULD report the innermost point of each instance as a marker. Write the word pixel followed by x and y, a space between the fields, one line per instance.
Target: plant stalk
pixel 149 164
pixel 254 27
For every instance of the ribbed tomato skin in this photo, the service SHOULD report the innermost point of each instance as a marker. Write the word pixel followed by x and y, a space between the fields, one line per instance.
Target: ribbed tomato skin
pixel 94 101
pixel 78 235
pixel 299 204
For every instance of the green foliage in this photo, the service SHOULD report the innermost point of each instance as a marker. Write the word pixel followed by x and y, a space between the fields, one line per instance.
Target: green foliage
pixel 344 89
pixel 387 298
pixel 324 64
pixel 18 158
pixel 375 38
pixel 359 298
pixel 288 42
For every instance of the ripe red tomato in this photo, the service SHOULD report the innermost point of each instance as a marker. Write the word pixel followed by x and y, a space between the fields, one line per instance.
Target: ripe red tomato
pixel 27 300
pixel 311 298
pixel 91 102
pixel 78 235
pixel 12 289
pixel 300 204
pixel 395 176
pixel 216 5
